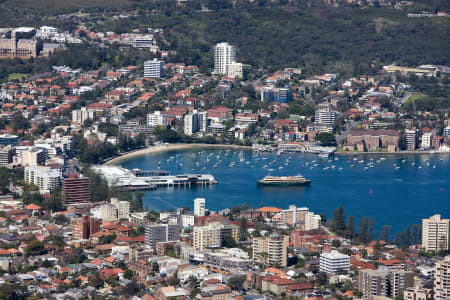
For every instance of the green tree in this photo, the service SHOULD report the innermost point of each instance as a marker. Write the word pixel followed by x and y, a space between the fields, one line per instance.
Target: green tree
pixel 229 242
pixel 326 138
pixel 128 274
pixel 236 282
pixel 385 233
pixel 350 228
pixel 338 224
pixel 34 247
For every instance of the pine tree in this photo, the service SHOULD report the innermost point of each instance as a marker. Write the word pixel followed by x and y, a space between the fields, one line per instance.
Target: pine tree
pixel 385 233
pixel 350 228
pixel 339 220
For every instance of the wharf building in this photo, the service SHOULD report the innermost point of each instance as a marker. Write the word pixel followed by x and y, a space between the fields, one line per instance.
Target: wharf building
pixel 435 233
pixel 334 262
pixel 76 189
pixel 384 282
pixel 15 47
pixel 271 250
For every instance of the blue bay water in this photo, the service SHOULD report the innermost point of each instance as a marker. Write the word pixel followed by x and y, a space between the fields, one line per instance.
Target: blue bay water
pixel 397 191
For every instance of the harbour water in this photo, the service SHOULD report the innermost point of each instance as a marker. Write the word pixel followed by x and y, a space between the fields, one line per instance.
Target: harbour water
pixel 396 190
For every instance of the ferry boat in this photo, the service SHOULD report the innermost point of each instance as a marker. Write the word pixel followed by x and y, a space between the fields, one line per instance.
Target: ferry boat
pixel 284 180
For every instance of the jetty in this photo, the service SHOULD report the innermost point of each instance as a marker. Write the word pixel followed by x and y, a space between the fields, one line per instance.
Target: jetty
pixel 137 179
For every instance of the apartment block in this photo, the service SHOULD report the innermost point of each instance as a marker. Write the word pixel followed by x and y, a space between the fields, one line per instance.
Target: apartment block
pixel 45 178
pixel 154 68
pixel 84 227
pixel 300 216
pixel 435 233
pixel 212 235
pixel 116 210
pixel 199 207
pixel 334 262
pixel 161 233
pixel 442 279
pixel 206 237
pixel 157 119
pixel 76 189
pixel 384 283
pixel 6 155
pixel 271 250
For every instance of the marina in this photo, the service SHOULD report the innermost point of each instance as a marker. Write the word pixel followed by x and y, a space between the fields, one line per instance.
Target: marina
pixel 342 179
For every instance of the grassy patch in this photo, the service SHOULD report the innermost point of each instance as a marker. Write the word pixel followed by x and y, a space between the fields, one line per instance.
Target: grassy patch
pixel 18 76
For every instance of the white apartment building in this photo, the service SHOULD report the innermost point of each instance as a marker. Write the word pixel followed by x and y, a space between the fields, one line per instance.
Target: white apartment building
pixel 435 233
pixel 191 123
pixel 325 115
pixel 45 178
pixel 154 68
pixel 442 279
pixel 79 116
pixel 334 262
pixel 6 155
pixel 312 221
pixel 224 54
pixel 411 139
pixel 294 215
pixel 235 70
pixel 207 237
pixel 426 140
pixel 157 119
pixel 199 207
pixel 115 210
pixel 203 121
pixel 446 131
pixel 187 220
pixel 271 250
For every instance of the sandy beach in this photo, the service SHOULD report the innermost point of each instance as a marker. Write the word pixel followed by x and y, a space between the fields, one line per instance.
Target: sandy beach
pixel 170 147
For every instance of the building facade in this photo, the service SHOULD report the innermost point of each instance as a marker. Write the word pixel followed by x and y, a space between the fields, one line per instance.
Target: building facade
pixel 271 250
pixel 224 54
pixel 84 227
pixel 156 118
pixel 442 279
pixel 45 178
pixel 199 207
pixel 154 68
pixel 161 233
pixel 14 47
pixel 76 189
pixel 435 233
pixel 384 283
pixel 334 262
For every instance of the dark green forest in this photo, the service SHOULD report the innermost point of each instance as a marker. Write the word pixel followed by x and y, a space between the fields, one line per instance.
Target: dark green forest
pixel 269 35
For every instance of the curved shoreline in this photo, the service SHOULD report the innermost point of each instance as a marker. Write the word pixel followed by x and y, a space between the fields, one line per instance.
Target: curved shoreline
pixel 169 147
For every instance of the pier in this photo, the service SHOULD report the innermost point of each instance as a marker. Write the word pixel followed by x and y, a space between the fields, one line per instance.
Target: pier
pixel 137 179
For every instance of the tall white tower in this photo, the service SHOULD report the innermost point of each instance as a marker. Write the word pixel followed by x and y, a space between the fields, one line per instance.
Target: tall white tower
pixel 224 54
pixel 199 207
